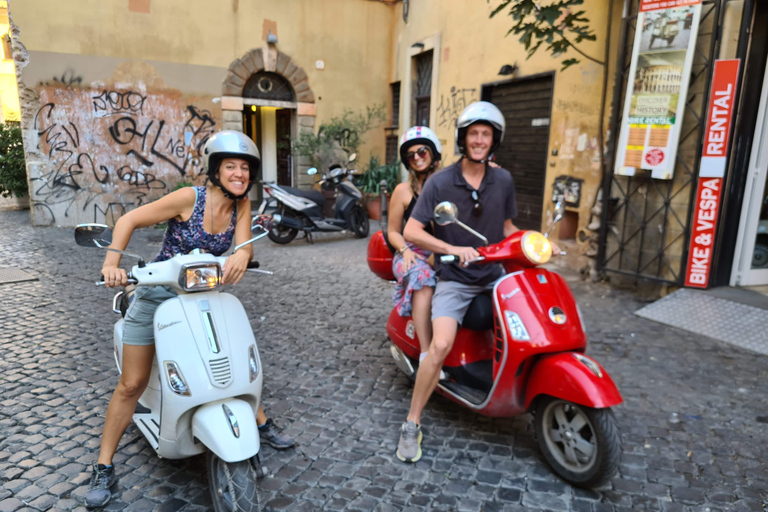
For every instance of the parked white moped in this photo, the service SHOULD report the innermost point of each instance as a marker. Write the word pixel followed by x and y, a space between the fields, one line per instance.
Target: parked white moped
pixel 205 386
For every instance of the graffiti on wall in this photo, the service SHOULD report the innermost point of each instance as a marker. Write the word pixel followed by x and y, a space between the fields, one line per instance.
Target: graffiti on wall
pixel 451 106
pixel 105 152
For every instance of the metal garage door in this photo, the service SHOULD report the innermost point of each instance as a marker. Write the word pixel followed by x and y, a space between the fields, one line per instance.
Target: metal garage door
pixel 527 105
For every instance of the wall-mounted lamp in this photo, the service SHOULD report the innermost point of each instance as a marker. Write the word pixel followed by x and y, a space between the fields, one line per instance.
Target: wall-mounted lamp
pixel 417 45
pixel 271 38
pixel 508 69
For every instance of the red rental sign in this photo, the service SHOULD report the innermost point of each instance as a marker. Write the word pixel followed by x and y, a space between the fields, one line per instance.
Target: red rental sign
pixel 656 5
pixel 711 172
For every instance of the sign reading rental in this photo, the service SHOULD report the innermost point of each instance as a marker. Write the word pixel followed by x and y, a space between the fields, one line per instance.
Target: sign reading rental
pixel 712 172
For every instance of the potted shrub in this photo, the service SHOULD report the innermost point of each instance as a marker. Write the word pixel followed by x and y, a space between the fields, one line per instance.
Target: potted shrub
pixel 370 183
pixel 13 174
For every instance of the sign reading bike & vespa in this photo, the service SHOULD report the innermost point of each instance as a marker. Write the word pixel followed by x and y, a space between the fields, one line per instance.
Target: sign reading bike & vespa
pixel 712 172
pixel 660 71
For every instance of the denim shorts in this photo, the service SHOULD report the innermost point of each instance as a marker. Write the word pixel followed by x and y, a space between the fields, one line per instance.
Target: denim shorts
pixel 452 299
pixel 139 326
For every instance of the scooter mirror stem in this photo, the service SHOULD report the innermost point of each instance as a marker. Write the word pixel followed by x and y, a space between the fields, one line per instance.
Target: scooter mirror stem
pixel 142 263
pixel 478 235
pixel 248 242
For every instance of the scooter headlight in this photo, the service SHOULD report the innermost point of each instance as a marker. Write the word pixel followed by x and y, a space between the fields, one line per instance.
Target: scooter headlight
pixel 196 277
pixel 176 380
pixel 253 363
pixel 536 247
pixel 516 327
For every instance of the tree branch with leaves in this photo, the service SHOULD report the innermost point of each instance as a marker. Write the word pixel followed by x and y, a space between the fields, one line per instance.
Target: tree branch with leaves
pixel 557 25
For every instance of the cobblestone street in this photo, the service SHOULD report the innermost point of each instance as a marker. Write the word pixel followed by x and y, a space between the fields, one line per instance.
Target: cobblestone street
pixel 694 419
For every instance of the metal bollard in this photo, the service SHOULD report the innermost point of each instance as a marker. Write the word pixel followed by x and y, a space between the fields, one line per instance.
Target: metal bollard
pixel 383 206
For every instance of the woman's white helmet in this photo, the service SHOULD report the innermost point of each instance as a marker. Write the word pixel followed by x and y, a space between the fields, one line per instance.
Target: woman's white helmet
pixel 230 144
pixel 420 135
pixel 480 112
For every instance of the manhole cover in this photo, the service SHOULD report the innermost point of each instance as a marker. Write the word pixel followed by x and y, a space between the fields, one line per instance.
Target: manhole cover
pixel 14 275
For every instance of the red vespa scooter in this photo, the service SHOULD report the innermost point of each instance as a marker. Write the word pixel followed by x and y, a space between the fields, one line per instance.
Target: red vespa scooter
pixel 522 349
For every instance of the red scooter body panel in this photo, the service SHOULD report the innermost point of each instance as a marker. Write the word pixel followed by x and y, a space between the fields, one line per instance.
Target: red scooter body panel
pixel 532 294
pixel 564 376
pixel 380 257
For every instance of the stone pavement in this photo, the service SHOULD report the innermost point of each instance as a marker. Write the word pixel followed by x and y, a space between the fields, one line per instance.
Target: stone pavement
pixel 694 421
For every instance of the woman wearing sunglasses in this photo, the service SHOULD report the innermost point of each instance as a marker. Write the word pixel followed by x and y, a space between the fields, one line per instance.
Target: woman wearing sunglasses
pixel 420 152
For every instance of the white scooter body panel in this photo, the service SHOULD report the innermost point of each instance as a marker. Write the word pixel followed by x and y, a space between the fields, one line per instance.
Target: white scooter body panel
pixel 215 426
pixel 181 337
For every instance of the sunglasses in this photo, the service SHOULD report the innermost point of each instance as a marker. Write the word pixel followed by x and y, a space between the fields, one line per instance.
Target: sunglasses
pixel 421 153
pixel 477 209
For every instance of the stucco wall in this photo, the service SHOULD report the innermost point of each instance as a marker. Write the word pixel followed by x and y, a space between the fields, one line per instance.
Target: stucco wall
pixel 170 62
pixel 472 50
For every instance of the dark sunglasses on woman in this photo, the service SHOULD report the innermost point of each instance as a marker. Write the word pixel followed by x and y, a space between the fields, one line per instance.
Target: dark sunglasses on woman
pixel 421 153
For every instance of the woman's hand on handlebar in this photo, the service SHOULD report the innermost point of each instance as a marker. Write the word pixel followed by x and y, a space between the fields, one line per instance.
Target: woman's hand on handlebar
pixel 114 276
pixel 235 267
pixel 465 254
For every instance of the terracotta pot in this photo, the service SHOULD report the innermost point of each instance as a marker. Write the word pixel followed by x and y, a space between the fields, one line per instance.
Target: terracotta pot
pixel 373 204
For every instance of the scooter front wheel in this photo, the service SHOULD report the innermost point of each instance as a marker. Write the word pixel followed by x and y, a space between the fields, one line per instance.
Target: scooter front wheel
pixel 233 485
pixel 582 444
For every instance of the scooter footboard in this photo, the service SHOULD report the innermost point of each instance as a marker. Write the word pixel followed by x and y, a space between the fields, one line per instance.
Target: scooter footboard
pixel 574 377
pixel 228 429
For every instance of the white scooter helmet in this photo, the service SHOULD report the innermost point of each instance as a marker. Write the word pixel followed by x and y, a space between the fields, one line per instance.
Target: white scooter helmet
pixel 480 112
pixel 420 135
pixel 230 144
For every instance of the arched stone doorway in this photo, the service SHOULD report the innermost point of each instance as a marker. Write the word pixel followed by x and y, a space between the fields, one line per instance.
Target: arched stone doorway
pixel 267 95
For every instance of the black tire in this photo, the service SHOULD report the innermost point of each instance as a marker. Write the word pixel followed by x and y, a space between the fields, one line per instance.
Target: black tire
pixel 582 444
pixel 232 485
pixel 670 39
pixel 358 221
pixel 760 255
pixel 282 234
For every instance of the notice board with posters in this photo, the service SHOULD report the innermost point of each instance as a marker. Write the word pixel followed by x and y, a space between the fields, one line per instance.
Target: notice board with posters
pixel 660 71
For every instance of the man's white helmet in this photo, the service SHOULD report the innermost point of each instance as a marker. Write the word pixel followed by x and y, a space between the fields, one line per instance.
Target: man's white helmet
pixel 420 135
pixel 480 112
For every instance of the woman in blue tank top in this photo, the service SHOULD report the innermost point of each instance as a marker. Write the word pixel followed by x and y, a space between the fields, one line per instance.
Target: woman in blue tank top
pixel 208 218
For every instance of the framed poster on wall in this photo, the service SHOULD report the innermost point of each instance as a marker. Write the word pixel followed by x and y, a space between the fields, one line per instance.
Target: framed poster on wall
pixel 660 71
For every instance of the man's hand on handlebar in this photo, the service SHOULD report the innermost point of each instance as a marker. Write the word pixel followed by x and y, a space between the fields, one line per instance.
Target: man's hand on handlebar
pixel 465 254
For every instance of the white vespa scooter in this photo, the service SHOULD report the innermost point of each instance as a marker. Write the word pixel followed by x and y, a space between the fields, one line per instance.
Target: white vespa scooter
pixel 205 386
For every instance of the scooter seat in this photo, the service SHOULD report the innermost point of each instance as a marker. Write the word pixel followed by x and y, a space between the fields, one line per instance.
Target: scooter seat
pixel 479 316
pixel 312 195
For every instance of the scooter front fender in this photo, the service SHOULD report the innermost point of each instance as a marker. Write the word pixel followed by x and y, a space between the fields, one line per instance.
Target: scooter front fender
pixel 574 377
pixel 232 435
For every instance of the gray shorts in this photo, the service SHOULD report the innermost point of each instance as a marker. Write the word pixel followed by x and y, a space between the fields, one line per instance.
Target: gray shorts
pixel 139 326
pixel 452 299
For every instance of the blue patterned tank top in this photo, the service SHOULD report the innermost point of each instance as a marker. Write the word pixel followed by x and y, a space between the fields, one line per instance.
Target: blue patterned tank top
pixel 181 237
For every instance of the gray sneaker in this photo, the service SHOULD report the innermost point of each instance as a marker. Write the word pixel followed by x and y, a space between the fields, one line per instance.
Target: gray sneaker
pixel 270 434
pixel 409 447
pixel 102 479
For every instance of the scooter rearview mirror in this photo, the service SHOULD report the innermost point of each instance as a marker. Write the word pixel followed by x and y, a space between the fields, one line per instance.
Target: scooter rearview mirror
pixel 93 235
pixel 446 213
pixel 559 212
pixel 311 171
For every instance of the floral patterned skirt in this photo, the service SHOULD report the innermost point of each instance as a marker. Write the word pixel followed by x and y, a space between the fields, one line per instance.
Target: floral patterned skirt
pixel 420 274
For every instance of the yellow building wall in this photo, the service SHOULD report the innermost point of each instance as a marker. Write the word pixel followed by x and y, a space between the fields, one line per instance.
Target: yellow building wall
pixel 171 56
pixel 472 50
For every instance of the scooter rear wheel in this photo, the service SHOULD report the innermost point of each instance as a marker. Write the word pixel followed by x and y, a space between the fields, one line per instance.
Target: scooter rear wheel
pixel 582 444
pixel 358 220
pixel 233 485
pixel 282 234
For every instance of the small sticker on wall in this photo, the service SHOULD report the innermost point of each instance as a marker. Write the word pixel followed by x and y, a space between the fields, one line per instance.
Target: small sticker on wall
pixel 540 121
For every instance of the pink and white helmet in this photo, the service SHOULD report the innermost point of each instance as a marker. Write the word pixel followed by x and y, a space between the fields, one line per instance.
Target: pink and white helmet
pixel 420 135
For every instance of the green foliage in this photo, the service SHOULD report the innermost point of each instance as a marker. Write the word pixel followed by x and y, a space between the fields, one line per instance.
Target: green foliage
pixel 555 24
pixel 339 137
pixel 370 181
pixel 182 184
pixel 13 174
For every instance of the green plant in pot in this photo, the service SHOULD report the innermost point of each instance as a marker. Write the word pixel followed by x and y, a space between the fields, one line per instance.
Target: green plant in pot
pixel 13 174
pixel 370 183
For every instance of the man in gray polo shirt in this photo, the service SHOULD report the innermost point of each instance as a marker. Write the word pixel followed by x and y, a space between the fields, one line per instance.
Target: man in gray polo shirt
pixel 485 197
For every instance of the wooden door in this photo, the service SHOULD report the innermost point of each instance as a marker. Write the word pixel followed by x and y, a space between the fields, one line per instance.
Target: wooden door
pixel 283 122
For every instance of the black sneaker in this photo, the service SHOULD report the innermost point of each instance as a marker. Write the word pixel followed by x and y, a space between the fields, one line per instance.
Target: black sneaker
pixel 102 479
pixel 270 434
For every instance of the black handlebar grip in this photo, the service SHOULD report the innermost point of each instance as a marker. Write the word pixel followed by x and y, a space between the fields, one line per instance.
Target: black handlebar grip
pixel 254 264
